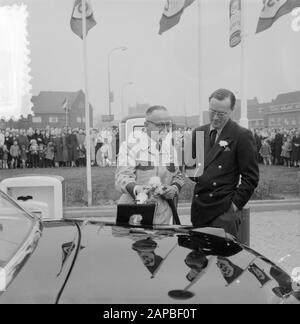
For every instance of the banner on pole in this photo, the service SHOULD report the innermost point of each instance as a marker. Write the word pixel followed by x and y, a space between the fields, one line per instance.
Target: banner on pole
pixel 235 22
pixel 273 10
pixel 76 19
pixel 172 13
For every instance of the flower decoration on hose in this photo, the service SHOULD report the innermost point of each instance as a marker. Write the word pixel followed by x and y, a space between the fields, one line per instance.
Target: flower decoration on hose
pixel 152 190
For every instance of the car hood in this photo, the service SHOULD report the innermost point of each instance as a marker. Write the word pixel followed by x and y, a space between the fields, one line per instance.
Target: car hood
pixel 137 265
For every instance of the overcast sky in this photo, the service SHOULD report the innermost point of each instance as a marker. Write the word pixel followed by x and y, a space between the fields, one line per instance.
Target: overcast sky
pixel 164 68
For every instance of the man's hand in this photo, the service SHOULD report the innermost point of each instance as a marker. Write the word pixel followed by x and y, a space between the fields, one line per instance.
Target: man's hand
pixel 171 192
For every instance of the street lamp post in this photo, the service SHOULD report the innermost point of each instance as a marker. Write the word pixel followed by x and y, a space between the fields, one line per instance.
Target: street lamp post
pixel 123 90
pixel 120 48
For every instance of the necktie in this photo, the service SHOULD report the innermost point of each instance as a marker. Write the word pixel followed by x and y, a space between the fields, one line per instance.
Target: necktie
pixel 159 145
pixel 213 135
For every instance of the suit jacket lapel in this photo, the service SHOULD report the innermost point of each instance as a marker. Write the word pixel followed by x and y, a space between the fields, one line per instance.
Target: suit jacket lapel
pixel 217 149
pixel 206 142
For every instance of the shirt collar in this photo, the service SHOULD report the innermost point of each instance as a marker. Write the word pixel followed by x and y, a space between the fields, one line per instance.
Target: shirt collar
pixel 219 131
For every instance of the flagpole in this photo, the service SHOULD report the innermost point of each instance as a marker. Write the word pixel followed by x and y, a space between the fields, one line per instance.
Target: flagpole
pixel 87 108
pixel 244 109
pixel 199 64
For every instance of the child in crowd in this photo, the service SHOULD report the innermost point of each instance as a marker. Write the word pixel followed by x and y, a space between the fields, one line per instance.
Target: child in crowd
pixel 286 152
pixel 1 157
pixel 15 154
pixel 81 155
pixel 41 156
pixel 49 155
pixel 34 153
pixel 266 152
pixel 5 157
pixel 23 156
pixel 104 154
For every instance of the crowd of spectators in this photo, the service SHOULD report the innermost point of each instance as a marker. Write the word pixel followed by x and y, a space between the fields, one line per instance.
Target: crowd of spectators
pixel 278 146
pixel 54 147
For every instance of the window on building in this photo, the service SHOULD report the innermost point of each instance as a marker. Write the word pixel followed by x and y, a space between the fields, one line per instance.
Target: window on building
pixel 36 119
pixel 53 119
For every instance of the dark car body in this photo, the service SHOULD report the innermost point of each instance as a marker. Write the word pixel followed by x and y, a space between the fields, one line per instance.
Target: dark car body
pixel 111 264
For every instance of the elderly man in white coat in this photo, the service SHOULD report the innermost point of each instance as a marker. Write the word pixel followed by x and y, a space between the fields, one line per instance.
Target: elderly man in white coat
pixel 150 156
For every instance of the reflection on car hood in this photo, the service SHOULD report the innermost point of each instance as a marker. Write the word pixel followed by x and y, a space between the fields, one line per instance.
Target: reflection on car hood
pixel 147 265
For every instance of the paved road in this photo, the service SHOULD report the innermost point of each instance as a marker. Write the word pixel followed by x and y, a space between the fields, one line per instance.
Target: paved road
pixel 277 235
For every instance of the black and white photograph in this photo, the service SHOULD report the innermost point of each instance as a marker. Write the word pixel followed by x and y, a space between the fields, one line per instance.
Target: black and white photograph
pixel 149 154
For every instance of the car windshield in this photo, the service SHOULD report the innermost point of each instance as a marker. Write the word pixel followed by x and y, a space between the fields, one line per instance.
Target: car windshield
pixel 15 226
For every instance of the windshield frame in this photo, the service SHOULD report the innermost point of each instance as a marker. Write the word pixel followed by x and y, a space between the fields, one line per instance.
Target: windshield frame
pixel 14 264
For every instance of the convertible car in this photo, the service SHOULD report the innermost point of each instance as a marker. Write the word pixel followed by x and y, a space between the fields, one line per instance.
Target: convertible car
pixel 94 261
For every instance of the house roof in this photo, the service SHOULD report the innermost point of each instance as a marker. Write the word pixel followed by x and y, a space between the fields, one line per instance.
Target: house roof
pixel 287 98
pixel 52 101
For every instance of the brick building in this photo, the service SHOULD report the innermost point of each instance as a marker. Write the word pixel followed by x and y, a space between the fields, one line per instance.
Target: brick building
pixel 284 111
pixel 48 109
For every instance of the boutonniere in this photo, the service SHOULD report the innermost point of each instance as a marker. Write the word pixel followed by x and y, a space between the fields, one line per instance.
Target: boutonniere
pixel 223 144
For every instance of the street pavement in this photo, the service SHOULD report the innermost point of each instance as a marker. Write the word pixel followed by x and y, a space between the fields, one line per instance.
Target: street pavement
pixel 276 235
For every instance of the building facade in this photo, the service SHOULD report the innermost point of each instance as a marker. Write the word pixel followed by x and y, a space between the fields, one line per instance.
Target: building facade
pixel 284 111
pixel 49 109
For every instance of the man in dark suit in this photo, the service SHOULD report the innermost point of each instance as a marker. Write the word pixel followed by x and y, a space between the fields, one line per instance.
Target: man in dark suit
pixel 231 170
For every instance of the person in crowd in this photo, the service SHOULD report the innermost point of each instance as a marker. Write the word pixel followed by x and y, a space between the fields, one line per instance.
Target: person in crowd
pixel 286 152
pixel 49 155
pixel 81 155
pixel 58 147
pixel 5 157
pixel 80 137
pixel 231 171
pixel 34 153
pixel 23 156
pixel 1 157
pixel 2 138
pixel 72 146
pixel 15 154
pixel 99 144
pixel 41 163
pixel 266 153
pixel 258 144
pixel 278 147
pixel 93 146
pixel 23 139
pixel 296 149
pixel 38 137
pixel 65 150
pixel 47 138
pixel 8 140
pixel 30 134
pixel 104 154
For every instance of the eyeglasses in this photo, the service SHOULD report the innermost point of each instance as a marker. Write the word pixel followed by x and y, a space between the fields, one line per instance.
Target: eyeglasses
pixel 163 125
pixel 219 114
